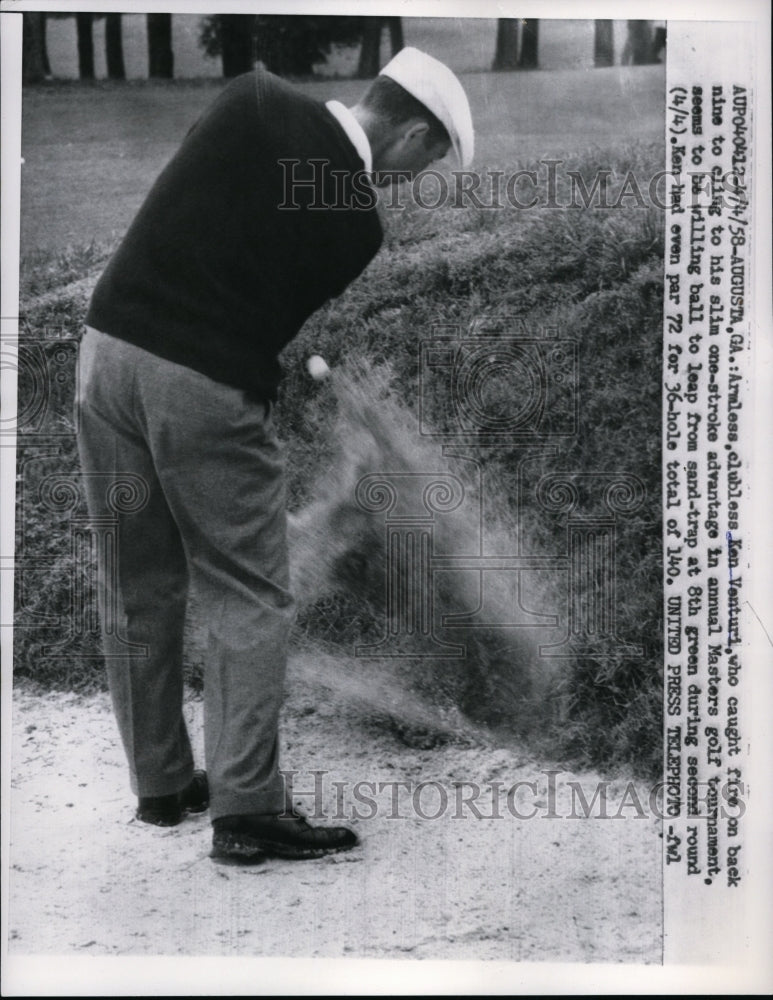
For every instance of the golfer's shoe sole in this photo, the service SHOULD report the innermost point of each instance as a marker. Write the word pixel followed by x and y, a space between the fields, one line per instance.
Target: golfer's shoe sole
pixel 233 849
pixel 295 853
pixel 238 849
pixel 154 818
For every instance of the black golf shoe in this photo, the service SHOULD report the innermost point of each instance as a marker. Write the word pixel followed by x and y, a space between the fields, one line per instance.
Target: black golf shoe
pixel 168 810
pixel 248 839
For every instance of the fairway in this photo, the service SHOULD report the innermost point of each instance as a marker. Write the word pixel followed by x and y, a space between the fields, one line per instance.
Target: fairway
pixel 92 152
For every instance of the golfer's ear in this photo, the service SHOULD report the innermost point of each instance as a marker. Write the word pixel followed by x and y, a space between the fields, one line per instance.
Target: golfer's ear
pixel 416 130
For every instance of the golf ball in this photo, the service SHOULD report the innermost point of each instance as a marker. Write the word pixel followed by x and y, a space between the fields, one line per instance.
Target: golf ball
pixel 317 367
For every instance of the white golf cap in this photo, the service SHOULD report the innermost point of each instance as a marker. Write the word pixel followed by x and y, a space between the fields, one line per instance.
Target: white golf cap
pixel 432 82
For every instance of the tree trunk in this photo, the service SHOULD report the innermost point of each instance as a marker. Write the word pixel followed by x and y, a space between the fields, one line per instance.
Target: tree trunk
pixel 33 64
pixel 640 42
pixel 396 39
pixel 658 44
pixel 236 46
pixel 44 44
pixel 506 54
pixel 529 44
pixel 160 55
pixel 370 50
pixel 114 47
pixel 84 23
pixel 603 44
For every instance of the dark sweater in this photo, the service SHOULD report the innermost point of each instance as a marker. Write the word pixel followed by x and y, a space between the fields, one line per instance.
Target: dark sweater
pixel 212 274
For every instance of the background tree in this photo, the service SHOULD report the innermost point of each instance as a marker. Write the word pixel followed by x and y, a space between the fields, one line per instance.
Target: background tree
pixel 638 44
pixel 372 29
pixel 396 40
pixel 659 44
pixel 506 53
pixel 33 47
pixel 237 43
pixel 287 44
pixel 84 24
pixel 370 48
pixel 529 44
pixel 293 45
pixel 44 44
pixel 36 65
pixel 114 47
pixel 603 44
pixel 160 55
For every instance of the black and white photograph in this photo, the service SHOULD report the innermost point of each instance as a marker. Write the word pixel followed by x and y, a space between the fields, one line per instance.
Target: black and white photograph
pixel 383 527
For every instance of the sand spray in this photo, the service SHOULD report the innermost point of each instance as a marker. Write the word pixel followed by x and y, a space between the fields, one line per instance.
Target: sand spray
pixel 389 502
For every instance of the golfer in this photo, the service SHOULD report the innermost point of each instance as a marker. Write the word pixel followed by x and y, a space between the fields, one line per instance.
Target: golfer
pixel 266 211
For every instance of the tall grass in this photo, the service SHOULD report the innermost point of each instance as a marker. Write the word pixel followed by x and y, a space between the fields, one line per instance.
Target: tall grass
pixel 594 277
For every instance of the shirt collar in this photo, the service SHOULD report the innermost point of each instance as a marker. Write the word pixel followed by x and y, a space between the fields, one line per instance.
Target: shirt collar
pixel 354 131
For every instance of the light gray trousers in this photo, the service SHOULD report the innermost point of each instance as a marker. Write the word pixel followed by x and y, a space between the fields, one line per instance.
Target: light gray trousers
pixel 214 518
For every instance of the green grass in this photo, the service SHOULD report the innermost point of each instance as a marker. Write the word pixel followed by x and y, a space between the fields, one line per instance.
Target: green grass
pixel 46 270
pixel 593 275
